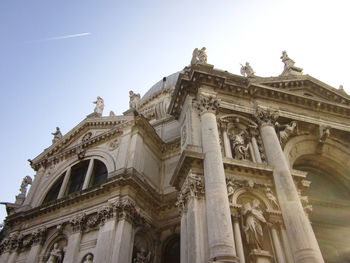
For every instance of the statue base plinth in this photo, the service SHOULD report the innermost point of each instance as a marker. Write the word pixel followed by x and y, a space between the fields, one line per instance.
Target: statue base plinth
pixel 260 256
pixel 130 112
pixel 94 115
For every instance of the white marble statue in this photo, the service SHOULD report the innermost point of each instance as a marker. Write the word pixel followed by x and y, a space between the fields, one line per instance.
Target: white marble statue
pixel 239 147
pixel 99 105
pixel 253 220
pixel 24 185
pixel 288 62
pixel 199 56
pixel 247 70
pixel 134 99
pixel 142 256
pixel 56 254
pixel 230 192
pixel 57 135
pixel 88 259
pixel 285 131
pixel 271 197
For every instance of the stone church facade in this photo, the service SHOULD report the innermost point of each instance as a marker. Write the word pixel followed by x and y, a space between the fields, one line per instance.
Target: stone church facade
pixel 207 166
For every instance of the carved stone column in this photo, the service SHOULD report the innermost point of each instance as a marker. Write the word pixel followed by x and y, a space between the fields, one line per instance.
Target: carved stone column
pixel 304 244
pixel 227 146
pixel 78 224
pixel 88 174
pixel 38 239
pixel 106 234
pixel 124 236
pixel 220 234
pixel 183 236
pixel 286 245
pixel 238 239
pixel 277 244
pixel 64 184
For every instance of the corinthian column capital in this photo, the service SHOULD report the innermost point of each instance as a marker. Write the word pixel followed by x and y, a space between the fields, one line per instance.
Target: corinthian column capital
pixel 207 104
pixel 266 116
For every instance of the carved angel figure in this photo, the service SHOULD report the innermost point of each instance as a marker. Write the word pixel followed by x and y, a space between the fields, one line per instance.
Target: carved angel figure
pixel 247 70
pixel 285 131
pixel 57 135
pixel 134 99
pixel 253 219
pixel 56 254
pixel 99 105
pixel 25 182
pixel 142 256
pixel 239 147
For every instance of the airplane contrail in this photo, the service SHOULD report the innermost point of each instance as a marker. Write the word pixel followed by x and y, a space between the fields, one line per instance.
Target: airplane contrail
pixel 60 37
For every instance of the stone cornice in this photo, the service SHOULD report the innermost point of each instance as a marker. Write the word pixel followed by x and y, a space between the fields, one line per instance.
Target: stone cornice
pixel 128 177
pixel 266 88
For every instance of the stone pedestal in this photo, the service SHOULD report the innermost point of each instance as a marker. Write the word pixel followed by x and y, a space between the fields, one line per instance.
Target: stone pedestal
pixel 220 234
pixel 260 256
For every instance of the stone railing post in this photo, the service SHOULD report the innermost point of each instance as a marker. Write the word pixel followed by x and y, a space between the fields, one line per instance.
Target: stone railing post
pixel 220 234
pixel 302 238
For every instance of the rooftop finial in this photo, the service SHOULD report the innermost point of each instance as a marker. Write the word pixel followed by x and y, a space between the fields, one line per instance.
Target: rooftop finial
pixel 199 56
pixel 289 68
pixel 247 70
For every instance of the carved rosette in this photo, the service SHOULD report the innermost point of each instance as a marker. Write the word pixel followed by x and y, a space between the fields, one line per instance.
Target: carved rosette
pixel 208 104
pixel 266 116
pixel 192 188
pixel 78 222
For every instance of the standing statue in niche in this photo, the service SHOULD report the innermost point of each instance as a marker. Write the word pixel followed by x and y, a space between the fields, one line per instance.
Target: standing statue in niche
pixel 253 220
pixel 142 256
pixel 247 70
pixel 99 106
pixel 56 254
pixel 271 197
pixel 57 135
pixel 239 147
pixel 199 56
pixel 134 99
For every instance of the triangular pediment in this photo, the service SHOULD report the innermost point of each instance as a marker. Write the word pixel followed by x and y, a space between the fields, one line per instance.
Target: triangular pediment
pixel 88 132
pixel 306 86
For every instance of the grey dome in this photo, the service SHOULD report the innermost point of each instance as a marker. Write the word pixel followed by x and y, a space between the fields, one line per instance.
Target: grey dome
pixel 165 83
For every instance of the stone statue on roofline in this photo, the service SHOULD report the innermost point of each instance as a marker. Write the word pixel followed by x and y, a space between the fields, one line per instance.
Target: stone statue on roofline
pixel 134 99
pixel 289 68
pixel 247 70
pixel 99 106
pixel 199 56
pixel 57 135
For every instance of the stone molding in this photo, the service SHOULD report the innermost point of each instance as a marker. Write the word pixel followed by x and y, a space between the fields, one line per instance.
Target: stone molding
pixel 78 222
pixel 266 116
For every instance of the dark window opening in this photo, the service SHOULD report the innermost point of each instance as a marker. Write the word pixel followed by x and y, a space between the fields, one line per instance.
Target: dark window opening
pixel 54 191
pixel 99 173
pixel 77 177
pixel 171 251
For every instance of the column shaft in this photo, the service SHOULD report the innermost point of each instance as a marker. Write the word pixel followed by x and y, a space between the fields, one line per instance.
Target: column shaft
pixel 238 240
pixel 4 257
pixel 196 231
pixel 277 245
pixel 227 146
pixel 64 184
pixel 88 174
pixel 123 244
pixel 72 248
pixel 34 252
pixel 256 150
pixel 299 230
pixel 105 241
pixel 183 239
pixel 220 234
pixel 286 245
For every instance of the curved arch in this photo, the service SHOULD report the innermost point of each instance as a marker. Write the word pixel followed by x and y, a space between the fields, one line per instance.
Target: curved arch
pixel 102 156
pixel 171 249
pixel 257 193
pixel 57 236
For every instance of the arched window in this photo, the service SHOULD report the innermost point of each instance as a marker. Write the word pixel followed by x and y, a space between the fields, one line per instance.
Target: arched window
pixel 85 174
pixel 171 250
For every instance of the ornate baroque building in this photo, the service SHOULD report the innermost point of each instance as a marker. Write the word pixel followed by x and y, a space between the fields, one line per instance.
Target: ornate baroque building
pixel 207 166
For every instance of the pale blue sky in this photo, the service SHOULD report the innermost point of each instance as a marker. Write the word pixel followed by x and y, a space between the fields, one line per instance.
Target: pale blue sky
pixel 48 81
